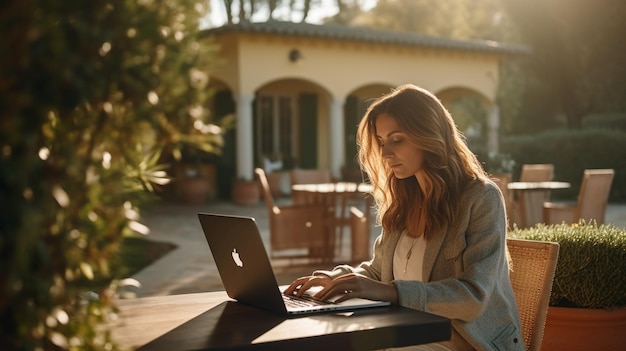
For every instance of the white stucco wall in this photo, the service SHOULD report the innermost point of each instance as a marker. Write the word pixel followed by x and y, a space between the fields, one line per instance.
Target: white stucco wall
pixel 341 67
pixel 253 63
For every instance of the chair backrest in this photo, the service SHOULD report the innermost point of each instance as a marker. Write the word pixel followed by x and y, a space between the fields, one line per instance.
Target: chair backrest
pixel 502 180
pixel 265 186
pixel 360 235
pixel 533 264
pixel 537 172
pixel 310 176
pixel 594 195
pixel 292 227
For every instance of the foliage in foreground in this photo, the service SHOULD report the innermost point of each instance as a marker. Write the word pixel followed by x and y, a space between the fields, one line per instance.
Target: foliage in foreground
pixel 91 94
pixel 592 263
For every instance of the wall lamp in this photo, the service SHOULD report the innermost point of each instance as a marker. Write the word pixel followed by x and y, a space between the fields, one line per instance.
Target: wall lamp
pixel 295 55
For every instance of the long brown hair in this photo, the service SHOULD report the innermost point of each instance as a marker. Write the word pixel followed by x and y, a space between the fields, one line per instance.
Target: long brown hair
pixel 448 162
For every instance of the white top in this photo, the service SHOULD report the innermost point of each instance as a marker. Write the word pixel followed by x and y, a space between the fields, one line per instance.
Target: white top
pixel 408 258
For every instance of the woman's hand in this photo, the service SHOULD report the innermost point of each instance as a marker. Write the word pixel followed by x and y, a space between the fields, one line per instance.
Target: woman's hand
pixel 347 286
pixel 302 284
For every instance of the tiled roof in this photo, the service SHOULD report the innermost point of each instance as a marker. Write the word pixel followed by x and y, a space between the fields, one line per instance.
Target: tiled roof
pixel 368 35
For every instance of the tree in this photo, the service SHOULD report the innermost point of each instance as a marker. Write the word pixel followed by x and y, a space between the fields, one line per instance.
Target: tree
pixel 91 93
pixel 247 9
pixel 577 54
pixel 460 19
pixel 228 7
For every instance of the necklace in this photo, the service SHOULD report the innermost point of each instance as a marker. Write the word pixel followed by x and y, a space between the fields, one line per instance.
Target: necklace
pixel 408 254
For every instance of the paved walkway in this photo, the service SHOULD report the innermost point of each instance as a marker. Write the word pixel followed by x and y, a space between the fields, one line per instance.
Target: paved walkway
pixel 190 268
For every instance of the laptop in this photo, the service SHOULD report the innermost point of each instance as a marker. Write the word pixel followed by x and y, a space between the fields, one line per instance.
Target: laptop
pixel 247 274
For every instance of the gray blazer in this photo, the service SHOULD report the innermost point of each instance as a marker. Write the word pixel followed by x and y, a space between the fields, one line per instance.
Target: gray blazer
pixel 466 274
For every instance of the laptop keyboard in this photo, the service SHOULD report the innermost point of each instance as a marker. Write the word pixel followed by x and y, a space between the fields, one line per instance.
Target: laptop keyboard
pixel 304 301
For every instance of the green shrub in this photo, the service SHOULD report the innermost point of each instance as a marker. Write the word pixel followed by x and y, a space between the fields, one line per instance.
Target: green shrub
pixel 571 152
pixel 616 121
pixel 591 270
pixel 92 93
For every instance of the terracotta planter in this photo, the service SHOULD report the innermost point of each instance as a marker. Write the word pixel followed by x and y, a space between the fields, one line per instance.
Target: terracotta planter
pixel 573 329
pixel 195 191
pixel 195 183
pixel 246 192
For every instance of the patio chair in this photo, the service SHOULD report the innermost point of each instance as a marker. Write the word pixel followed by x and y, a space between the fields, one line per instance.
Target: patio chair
pixel 359 235
pixel 540 172
pixel 295 230
pixel 309 176
pixel 591 203
pixel 532 273
pixel 502 180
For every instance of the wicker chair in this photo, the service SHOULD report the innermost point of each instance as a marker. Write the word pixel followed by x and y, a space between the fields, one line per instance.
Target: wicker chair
pixel 502 180
pixel 541 172
pixel 593 197
pixel 295 230
pixel 359 235
pixel 532 273
pixel 309 176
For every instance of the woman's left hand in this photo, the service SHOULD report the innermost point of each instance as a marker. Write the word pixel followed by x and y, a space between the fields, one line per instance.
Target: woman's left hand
pixel 356 285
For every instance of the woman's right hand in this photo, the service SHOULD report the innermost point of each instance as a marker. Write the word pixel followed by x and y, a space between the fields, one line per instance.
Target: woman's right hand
pixel 302 284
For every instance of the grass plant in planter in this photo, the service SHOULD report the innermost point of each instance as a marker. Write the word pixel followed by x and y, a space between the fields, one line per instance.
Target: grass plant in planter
pixel 588 301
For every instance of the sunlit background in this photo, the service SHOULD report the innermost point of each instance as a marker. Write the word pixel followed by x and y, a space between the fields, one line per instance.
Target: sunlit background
pixel 320 9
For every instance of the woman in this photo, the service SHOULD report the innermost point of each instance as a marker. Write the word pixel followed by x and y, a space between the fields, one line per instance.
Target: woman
pixel 443 243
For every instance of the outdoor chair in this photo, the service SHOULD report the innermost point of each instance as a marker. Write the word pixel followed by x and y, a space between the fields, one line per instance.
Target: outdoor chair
pixel 591 203
pixel 307 176
pixel 537 172
pixel 310 176
pixel 359 235
pixel 540 172
pixel 336 198
pixel 295 230
pixel 502 180
pixel 533 264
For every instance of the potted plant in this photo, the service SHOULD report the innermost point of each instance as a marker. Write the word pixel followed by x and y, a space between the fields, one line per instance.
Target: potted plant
pixel 246 192
pixel 195 177
pixel 588 300
pixel 193 157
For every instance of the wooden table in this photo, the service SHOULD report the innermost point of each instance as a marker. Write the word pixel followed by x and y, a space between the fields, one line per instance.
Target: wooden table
pixel 303 193
pixel 211 321
pixel 334 196
pixel 530 197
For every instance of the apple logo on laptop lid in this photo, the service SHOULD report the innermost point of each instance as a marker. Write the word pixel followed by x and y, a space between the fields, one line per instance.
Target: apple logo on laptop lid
pixel 237 258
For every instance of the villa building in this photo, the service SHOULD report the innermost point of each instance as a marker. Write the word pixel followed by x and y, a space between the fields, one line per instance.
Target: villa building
pixel 298 90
